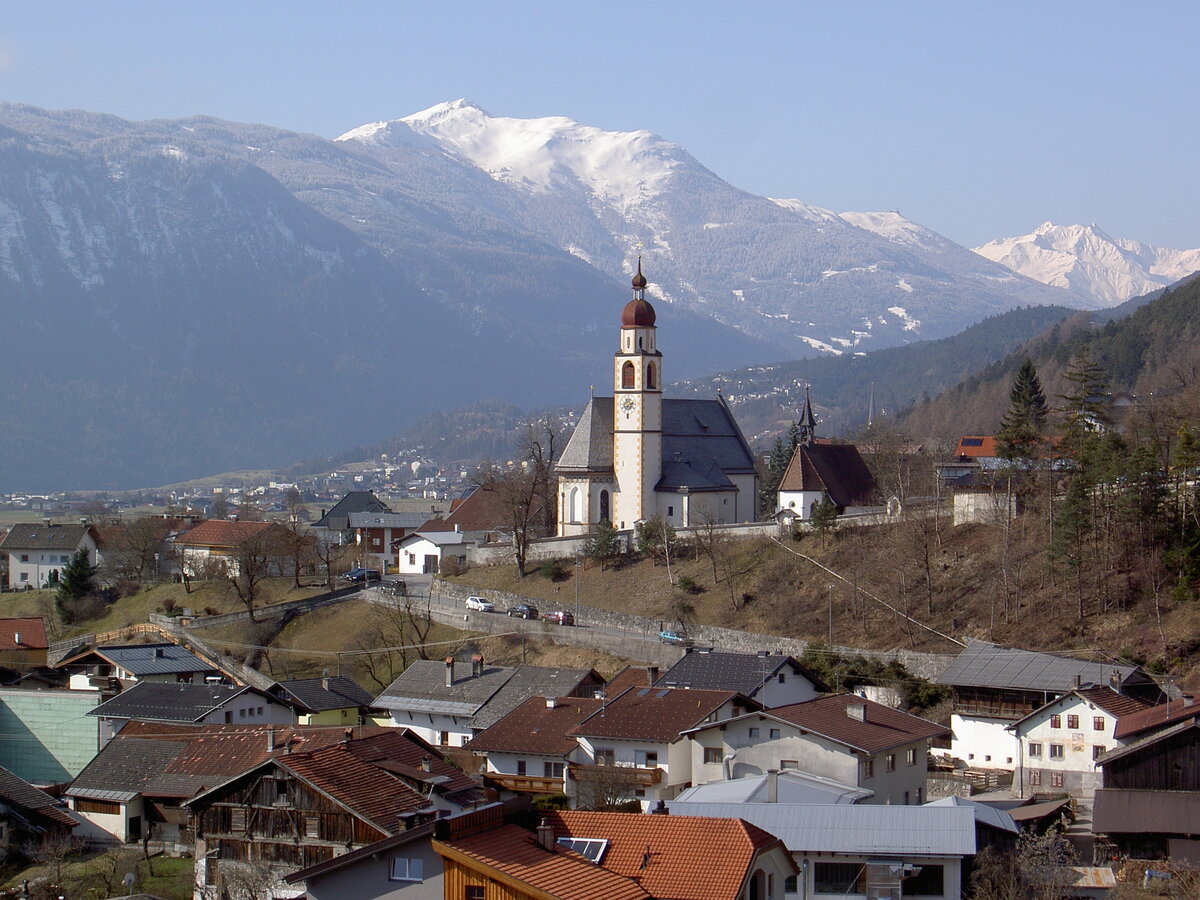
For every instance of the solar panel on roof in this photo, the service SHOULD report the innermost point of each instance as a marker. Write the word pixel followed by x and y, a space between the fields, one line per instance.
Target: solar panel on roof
pixel 591 849
pixel 972 442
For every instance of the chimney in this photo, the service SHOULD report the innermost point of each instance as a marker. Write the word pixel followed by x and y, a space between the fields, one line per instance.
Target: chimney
pixel 1078 680
pixel 347 735
pixel 476 665
pixel 456 528
pixel 271 739
pixel 1114 680
pixel 1188 701
pixel 449 671
pixel 17 638
pixel 551 702
pixel 651 674
pixel 545 835
pixel 772 785
pixel 426 763
pixel 857 711
pixel 325 683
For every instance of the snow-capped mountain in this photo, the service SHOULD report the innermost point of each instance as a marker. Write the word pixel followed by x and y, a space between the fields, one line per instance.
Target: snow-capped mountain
pixel 1091 264
pixel 801 278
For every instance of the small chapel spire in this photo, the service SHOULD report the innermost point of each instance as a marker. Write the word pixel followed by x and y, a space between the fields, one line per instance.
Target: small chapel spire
pixel 808 422
pixel 639 280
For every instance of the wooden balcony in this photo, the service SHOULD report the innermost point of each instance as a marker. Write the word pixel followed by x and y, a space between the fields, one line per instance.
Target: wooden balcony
pixel 527 784
pixel 635 775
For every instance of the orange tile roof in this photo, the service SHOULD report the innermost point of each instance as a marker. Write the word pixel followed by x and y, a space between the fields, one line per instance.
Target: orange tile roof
pixel 652 714
pixel 512 853
pixel 534 727
pixel 681 857
pixel 976 445
pixel 32 631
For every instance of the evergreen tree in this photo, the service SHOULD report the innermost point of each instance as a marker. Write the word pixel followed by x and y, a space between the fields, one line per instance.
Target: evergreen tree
pixel 777 462
pixel 1085 407
pixel 824 516
pixel 604 545
pixel 76 583
pixel 1023 423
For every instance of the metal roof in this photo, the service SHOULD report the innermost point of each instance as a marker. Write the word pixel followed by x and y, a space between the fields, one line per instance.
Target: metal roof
pixel 791 787
pixel 153 659
pixel 984 814
pixel 862 830
pixel 988 665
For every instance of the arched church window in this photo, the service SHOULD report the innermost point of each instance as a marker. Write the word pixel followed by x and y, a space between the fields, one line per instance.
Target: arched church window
pixel 575 504
pixel 650 379
pixel 627 375
pixel 604 516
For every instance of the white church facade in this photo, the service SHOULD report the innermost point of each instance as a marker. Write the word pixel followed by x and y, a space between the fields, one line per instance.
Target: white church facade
pixel 636 455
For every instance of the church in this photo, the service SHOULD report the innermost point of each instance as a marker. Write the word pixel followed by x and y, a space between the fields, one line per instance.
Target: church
pixel 636 455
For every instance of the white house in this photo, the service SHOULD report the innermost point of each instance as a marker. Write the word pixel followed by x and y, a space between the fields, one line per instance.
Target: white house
pixel 849 739
pixel 37 554
pixel 423 552
pixel 771 679
pixel 1060 742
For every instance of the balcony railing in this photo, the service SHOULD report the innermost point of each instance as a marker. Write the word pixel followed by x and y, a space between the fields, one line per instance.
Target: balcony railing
pixel 529 784
pixel 637 775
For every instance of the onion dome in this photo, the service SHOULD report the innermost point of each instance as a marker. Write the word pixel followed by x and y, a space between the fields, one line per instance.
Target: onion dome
pixel 638 313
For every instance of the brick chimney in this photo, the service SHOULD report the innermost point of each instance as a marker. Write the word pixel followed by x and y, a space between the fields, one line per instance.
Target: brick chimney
pixel 857 711
pixel 772 785
pixel 449 671
pixel 545 835
pixel 551 702
pixel 476 665
pixel 426 763
pixel 271 739
pixel 651 674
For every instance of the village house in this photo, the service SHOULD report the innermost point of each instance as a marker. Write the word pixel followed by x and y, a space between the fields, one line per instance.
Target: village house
pixel 617 856
pixel 423 552
pixel 1058 744
pixel 190 704
pixel 328 700
pixel 37 554
pixel 296 810
pixel 222 547
pixel 136 785
pixel 29 815
pixel 378 535
pixel 23 643
pixel 111 669
pixel 786 786
pixel 529 749
pixel 449 702
pixel 772 679
pixel 333 528
pixel 636 747
pixel 843 737
pixel 992 687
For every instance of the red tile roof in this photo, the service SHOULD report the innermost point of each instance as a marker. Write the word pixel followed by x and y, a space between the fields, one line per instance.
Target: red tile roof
pixel 880 729
pixel 1155 716
pixel 512 854
pixel 652 714
pixel 630 676
pixel 32 631
pixel 681 857
pixel 1118 705
pixel 222 533
pixel 976 445
pixel 534 727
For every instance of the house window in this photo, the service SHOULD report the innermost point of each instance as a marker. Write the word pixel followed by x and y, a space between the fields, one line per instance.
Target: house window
pixel 444 738
pixel 646 759
pixel 1073 722
pixel 889 762
pixel 774 734
pixel 670 511
pixel 839 878
pixel 552 769
pixel 910 756
pixel 1056 779
pixel 24 557
pixel 405 868
pixel 473 892
pixel 753 734
pixel 929 883
pixel 782 678
pixel 1097 723
pixel 790 886
pixel 1098 751
pixel 1056 751
pixel 606 756
pixel 1035 749
pixel 241 713
pixel 237 819
pixel 103 807
pixel 312 827
pixel 713 755
pixel 1056 721
pixel 24 576
pixel 1035 777
pixel 789 764
pixel 520 767
pixel 868 768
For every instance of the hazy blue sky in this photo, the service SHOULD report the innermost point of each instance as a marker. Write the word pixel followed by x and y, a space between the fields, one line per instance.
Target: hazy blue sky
pixel 978 120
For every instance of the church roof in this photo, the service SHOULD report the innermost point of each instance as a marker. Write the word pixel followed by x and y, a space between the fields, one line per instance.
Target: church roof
pixel 836 469
pixel 701 444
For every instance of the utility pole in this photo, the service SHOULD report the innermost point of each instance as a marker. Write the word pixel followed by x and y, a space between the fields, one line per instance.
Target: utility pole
pixel 831 615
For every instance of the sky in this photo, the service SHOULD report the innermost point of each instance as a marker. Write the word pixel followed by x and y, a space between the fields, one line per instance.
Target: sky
pixel 978 120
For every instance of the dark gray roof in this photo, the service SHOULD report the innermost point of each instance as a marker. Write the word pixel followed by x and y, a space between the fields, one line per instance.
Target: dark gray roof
pixel 27 800
pixel 24 536
pixel 423 686
pixel 987 665
pixel 338 518
pixel 531 681
pixel 701 444
pixel 317 694
pixel 128 766
pixel 148 659
pixel 154 701
pixel 741 672
pixel 387 519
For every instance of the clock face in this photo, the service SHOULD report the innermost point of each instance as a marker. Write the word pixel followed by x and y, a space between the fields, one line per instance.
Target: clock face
pixel 628 404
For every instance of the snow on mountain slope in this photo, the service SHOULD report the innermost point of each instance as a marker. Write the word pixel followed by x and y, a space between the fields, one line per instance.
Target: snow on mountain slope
pixel 899 230
pixel 1088 262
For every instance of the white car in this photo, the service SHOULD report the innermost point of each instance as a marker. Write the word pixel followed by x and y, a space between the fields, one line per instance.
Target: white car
pixel 480 605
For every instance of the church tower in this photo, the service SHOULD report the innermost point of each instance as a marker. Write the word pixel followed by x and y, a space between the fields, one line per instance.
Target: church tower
pixel 637 410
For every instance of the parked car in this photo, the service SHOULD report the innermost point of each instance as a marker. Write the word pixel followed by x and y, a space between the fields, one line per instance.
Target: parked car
pixel 561 617
pixel 358 575
pixel 678 638
pixel 479 604
pixel 523 611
